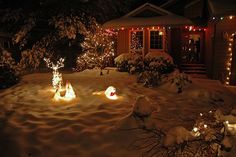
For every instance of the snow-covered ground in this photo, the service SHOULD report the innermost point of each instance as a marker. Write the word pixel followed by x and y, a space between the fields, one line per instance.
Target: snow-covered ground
pixel 32 124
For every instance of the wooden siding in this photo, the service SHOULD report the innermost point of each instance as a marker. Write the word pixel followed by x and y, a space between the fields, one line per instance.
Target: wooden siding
pixel 146 44
pixel 233 70
pixel 220 46
pixel 176 45
pixel 208 53
pixel 123 42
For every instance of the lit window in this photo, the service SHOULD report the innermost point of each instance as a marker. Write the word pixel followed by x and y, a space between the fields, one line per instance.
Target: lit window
pixel 156 39
pixel 136 40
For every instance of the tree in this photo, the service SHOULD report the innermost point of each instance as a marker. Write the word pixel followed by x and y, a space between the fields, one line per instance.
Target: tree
pixel 98 47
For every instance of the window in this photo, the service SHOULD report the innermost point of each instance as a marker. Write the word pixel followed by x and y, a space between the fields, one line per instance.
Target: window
pixel 156 40
pixel 136 40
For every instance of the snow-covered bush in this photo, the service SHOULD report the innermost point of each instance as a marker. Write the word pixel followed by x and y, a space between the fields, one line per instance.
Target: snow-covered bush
pixel 206 139
pixel 6 59
pixel 68 26
pixel 177 135
pixel 149 78
pixel 180 80
pixel 159 61
pixel 31 60
pixel 9 72
pixel 129 62
pixel 122 61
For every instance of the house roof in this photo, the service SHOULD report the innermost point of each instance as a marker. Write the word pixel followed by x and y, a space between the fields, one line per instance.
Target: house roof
pixel 222 7
pixel 218 7
pixel 148 15
pixel 168 3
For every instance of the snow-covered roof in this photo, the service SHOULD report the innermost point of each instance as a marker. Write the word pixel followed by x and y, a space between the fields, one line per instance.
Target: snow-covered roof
pixel 192 3
pixel 148 6
pixel 222 7
pixel 168 3
pixel 148 15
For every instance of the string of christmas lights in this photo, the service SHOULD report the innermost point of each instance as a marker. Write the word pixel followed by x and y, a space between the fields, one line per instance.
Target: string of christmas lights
pixel 57 77
pixel 98 47
pixel 229 58
pixel 190 28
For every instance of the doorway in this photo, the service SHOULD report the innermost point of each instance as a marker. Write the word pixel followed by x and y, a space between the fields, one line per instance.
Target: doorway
pixel 192 48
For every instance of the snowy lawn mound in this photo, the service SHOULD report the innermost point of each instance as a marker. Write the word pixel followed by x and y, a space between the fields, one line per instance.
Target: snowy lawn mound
pixel 142 116
pixel 177 135
pixel 143 107
pixel 32 123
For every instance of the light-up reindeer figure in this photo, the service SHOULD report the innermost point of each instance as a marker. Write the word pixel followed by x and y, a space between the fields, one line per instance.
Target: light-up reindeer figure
pixel 57 77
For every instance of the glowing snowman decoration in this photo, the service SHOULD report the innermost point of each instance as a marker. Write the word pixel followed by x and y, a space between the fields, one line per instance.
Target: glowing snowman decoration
pixel 111 93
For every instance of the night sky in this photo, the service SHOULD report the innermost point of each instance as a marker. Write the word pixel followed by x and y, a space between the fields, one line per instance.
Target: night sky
pixel 103 10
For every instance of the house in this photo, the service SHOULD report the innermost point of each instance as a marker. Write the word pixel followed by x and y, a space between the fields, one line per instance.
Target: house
pixel 220 51
pixel 201 40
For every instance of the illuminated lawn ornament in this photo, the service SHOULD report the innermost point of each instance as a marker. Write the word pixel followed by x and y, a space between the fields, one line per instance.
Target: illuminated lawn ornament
pixel 69 93
pixel 231 127
pixel 57 77
pixel 111 93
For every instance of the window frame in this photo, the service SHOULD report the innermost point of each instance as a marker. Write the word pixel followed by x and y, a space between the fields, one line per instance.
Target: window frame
pixel 149 39
pixel 132 50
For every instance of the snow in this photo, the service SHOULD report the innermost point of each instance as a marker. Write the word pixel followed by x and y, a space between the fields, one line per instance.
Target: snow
pixel 169 20
pixel 177 135
pixel 158 55
pixel 123 57
pixel 32 124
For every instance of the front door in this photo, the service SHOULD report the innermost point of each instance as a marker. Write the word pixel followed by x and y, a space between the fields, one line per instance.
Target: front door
pixel 192 47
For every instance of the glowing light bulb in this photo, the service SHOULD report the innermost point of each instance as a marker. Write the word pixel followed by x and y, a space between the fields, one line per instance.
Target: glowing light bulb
pixel 195 129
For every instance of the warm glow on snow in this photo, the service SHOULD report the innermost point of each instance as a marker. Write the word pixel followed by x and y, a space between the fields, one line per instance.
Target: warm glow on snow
pixel 69 93
pixel 111 93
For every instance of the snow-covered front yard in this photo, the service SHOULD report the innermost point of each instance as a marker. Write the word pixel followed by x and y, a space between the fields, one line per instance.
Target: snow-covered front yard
pixel 32 124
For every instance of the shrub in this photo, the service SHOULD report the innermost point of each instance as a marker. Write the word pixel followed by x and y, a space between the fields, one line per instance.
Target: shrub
pixel 9 72
pixel 128 62
pixel 8 76
pixel 149 78
pixel 180 80
pixel 159 61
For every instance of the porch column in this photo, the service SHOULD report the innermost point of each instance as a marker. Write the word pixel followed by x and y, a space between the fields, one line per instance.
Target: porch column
pixel 176 45
pixel 233 64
